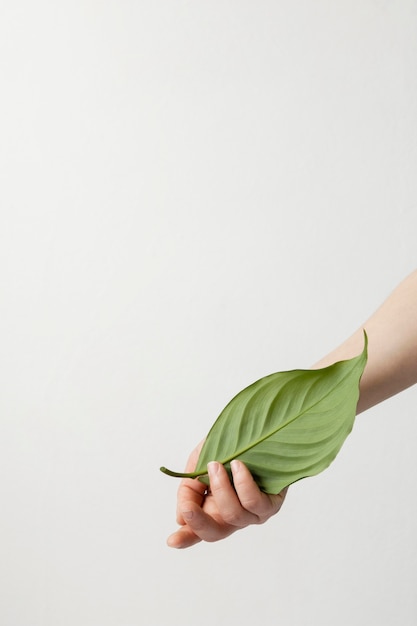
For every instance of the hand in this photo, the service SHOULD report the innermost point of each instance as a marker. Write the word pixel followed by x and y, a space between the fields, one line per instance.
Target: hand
pixel 214 514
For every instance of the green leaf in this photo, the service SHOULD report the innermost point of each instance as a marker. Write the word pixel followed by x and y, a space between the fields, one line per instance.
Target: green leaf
pixel 286 426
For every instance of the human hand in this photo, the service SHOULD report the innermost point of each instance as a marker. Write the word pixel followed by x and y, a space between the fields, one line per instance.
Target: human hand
pixel 215 513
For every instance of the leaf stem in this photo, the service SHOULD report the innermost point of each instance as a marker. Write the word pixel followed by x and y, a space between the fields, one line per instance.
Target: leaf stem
pixel 165 470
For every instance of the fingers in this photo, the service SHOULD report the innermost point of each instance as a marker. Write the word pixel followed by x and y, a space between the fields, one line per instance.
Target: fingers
pixel 204 527
pixel 191 490
pixel 248 492
pixel 220 515
pixel 227 507
pixel 252 499
pixel 232 509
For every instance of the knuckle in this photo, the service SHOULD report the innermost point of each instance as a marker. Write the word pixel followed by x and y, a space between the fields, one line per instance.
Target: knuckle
pixel 233 518
pixel 253 504
pixel 263 517
pixel 261 511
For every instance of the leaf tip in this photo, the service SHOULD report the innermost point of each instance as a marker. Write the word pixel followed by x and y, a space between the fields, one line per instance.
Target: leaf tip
pixel 365 337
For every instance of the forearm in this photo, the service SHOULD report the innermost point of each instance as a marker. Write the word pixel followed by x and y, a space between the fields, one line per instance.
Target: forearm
pixel 392 348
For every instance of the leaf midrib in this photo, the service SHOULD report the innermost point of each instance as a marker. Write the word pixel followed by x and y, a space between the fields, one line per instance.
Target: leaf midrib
pixel 297 416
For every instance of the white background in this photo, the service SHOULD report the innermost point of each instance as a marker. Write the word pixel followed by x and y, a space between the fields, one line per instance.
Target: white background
pixel 195 194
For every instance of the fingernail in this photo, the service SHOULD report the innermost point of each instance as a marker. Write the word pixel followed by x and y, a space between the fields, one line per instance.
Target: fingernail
pixel 213 472
pixel 213 468
pixel 235 465
pixel 187 515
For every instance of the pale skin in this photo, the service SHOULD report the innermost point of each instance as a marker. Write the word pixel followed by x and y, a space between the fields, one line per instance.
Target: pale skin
pixel 391 368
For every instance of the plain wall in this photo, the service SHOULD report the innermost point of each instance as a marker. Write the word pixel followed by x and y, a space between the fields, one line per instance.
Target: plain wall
pixel 194 195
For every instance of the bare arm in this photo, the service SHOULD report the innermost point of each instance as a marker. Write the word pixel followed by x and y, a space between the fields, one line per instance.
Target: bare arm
pixel 392 350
